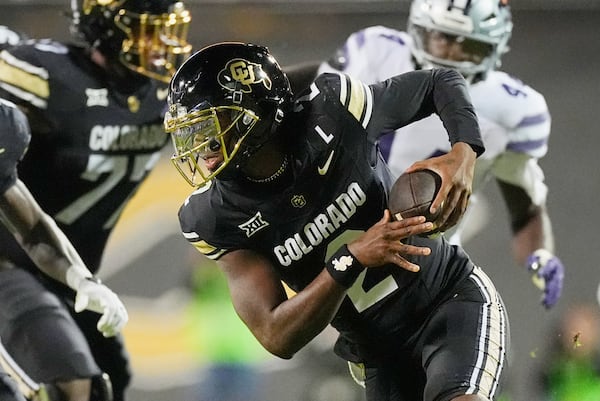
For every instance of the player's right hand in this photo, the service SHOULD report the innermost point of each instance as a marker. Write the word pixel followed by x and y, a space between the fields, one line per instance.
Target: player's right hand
pixel 382 243
pixel 456 168
pixel 548 274
pixel 97 297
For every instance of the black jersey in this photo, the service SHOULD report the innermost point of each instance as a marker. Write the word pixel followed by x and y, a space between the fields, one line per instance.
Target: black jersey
pixel 92 143
pixel 14 138
pixel 340 183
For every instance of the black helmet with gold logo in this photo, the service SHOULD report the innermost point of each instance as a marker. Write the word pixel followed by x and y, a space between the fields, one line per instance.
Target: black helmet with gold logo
pixel 147 36
pixel 225 102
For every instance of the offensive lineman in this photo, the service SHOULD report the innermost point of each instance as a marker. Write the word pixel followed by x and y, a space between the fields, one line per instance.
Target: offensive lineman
pixel 470 37
pixel 277 181
pixel 95 108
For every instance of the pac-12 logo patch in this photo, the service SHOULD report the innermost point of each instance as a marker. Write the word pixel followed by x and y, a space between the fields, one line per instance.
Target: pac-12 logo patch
pixel 240 74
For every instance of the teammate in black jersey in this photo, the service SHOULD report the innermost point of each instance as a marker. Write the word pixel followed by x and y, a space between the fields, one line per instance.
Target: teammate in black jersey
pixel 277 181
pixel 95 108
pixel 43 241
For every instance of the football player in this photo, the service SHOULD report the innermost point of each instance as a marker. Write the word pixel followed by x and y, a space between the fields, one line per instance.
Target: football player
pixel 95 108
pixel 41 238
pixel 471 37
pixel 277 180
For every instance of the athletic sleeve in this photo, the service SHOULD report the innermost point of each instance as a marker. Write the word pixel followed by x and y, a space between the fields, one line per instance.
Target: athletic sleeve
pixel 14 139
pixel 414 95
pixel 199 224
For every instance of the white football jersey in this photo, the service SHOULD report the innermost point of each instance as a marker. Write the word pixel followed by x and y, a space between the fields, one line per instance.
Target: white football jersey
pixel 514 118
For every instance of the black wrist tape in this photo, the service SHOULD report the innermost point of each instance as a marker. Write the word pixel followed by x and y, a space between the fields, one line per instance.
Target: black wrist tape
pixel 344 267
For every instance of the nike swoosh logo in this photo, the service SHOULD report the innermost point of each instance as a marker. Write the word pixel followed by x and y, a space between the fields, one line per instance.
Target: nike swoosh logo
pixel 323 170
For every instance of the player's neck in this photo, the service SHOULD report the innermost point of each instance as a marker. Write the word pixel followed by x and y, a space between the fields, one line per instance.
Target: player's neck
pixel 273 177
pixel 268 164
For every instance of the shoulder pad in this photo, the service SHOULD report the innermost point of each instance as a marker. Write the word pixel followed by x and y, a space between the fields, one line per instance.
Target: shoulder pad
pixel 352 94
pixel 194 210
pixel 23 75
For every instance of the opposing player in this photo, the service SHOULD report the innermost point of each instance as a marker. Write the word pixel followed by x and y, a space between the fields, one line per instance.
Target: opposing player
pixel 96 109
pixel 277 181
pixel 471 37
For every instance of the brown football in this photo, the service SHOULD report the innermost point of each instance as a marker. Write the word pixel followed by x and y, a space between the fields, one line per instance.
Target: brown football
pixel 412 194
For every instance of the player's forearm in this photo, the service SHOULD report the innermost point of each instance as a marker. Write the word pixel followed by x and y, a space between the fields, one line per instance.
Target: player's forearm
pixel 295 322
pixel 547 270
pixel 453 105
pixel 54 254
pixel 535 234
pixel 283 323
pixel 440 91
pixel 40 237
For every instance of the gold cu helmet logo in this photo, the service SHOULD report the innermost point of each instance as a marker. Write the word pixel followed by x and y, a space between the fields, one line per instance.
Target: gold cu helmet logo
pixel 239 74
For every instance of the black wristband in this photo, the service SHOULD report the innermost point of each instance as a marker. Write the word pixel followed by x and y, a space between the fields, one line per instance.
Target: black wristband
pixel 344 267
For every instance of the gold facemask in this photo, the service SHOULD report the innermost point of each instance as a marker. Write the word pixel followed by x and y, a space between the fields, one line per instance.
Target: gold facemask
pixel 206 141
pixel 155 45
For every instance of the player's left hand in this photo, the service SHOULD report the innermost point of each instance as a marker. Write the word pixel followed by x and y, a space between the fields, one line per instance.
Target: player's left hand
pixel 97 297
pixel 548 274
pixel 382 243
pixel 456 168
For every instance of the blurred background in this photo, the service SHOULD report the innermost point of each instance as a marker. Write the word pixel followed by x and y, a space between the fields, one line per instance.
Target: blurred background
pixel 184 338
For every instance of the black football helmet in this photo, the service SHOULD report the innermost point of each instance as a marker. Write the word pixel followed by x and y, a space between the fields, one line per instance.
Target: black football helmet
pixel 225 102
pixel 147 36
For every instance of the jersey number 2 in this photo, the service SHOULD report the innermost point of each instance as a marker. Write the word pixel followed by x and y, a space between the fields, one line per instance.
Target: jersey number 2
pixel 362 299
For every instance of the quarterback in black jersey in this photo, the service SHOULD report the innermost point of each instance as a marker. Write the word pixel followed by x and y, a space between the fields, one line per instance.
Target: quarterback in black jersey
pixel 278 180
pixel 95 107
